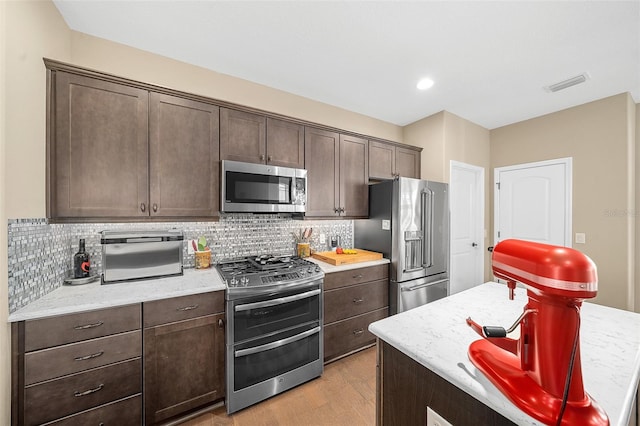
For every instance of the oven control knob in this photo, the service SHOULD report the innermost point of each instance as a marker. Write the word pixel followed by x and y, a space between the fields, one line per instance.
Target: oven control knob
pixel 302 272
pixel 233 281
pixel 310 270
pixel 244 281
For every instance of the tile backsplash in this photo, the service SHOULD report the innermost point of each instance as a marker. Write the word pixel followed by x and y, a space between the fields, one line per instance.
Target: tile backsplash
pixel 40 254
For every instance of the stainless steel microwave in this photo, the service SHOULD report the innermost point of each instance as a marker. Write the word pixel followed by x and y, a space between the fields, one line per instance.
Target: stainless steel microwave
pixel 259 188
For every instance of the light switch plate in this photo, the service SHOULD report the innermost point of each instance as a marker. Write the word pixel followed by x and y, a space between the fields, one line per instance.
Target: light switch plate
pixel 386 225
pixel 581 238
pixel 435 419
pixel 323 239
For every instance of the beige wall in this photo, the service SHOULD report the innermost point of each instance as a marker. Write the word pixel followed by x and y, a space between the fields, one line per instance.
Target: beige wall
pixel 29 31
pixel 597 136
pixel 445 137
pixel 5 366
pixel 125 61
pixel 637 213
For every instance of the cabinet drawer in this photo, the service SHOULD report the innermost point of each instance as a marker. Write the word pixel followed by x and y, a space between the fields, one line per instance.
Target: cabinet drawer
pixel 59 330
pixel 355 300
pixel 345 336
pixel 125 412
pixel 75 357
pixel 165 311
pixel 355 276
pixel 71 394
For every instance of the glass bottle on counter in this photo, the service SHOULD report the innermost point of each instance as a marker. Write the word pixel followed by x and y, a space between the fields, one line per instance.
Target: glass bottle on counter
pixel 81 264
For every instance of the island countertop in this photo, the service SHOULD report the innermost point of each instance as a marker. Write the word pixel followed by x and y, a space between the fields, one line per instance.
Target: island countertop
pixel 436 336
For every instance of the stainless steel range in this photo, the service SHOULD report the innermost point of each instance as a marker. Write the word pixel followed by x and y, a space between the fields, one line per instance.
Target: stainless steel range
pixel 274 326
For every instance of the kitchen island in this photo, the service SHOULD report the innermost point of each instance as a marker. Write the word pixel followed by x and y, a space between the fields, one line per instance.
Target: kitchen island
pixel 423 360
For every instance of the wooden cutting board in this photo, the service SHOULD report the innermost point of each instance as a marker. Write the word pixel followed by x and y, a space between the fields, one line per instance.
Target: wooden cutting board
pixel 342 259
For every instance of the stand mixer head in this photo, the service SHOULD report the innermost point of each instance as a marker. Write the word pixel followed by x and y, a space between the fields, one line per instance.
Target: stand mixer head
pixel 541 371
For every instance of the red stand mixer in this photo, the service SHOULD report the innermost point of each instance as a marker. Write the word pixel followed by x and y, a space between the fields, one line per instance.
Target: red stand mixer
pixel 540 372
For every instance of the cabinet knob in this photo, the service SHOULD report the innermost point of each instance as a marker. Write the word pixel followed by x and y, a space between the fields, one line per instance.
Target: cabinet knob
pixel 357 277
pixel 358 332
pixel 142 207
pixel 358 301
pixel 221 323
pixel 269 159
pixel 155 207
pixel 261 157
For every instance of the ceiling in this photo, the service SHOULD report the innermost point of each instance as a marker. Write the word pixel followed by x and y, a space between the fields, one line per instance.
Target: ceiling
pixel 490 61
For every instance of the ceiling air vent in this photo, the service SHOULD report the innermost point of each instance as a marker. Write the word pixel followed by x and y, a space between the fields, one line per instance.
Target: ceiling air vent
pixel 567 83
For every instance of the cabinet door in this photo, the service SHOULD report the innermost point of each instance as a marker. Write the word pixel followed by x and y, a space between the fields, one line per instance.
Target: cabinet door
pixel 285 143
pixel 354 177
pixel 407 162
pixel 99 149
pixel 321 151
pixel 382 160
pixel 183 366
pixel 242 136
pixel 184 155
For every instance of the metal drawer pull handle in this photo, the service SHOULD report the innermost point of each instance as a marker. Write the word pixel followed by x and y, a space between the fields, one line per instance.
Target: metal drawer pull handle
pixel 357 276
pixel 277 344
pixel 90 391
pixel 278 301
pixel 187 308
pixel 84 327
pixel 86 357
pixel 356 301
pixel 419 286
pixel 358 332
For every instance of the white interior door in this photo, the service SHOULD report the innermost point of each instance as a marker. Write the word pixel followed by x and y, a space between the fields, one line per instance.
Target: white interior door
pixel 466 195
pixel 533 202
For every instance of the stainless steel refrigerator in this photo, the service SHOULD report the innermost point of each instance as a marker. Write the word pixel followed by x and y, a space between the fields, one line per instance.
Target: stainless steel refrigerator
pixel 409 224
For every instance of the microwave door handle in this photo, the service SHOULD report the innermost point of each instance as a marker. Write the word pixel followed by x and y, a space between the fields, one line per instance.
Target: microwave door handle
pixel 276 344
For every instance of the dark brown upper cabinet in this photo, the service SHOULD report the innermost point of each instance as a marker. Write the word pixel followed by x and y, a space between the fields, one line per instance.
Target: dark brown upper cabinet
pixel 387 161
pixel 99 150
pixel 254 138
pixel 184 154
pixel 336 174
pixel 121 151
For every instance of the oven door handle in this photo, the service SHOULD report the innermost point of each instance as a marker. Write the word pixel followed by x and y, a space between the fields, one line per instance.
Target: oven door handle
pixel 276 344
pixel 278 301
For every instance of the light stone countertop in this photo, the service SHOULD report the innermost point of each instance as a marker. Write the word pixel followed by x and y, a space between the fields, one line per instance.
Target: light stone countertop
pixel 437 336
pixel 329 268
pixel 78 298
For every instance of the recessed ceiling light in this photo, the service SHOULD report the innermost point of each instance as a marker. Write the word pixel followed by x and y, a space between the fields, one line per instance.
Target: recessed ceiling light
pixel 424 84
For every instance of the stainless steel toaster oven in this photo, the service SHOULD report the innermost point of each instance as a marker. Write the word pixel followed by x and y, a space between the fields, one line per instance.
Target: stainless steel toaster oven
pixel 137 255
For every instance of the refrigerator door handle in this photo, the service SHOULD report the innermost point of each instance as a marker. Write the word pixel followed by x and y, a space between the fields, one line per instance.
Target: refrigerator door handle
pixel 427 225
pixel 419 286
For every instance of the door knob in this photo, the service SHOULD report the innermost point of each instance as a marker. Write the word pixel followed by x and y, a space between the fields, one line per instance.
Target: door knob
pixel 474 245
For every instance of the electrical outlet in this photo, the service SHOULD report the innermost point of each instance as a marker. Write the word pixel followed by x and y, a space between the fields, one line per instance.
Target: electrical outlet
pixel 190 244
pixel 581 238
pixel 435 419
pixel 323 239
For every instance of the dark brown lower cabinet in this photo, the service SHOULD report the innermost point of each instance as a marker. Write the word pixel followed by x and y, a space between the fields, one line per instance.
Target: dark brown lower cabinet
pixel 353 299
pixel 184 366
pixel 405 389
